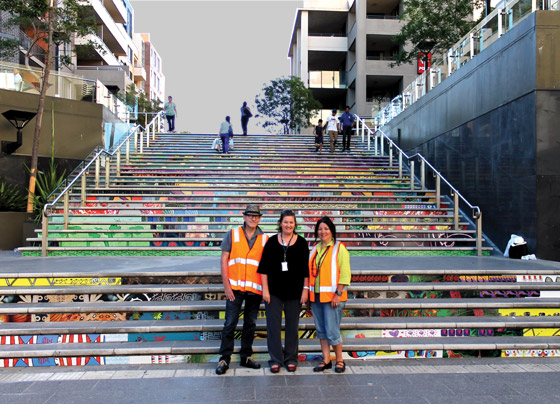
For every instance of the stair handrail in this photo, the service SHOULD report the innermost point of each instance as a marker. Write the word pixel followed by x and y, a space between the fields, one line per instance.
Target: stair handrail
pixel 144 137
pixel 362 127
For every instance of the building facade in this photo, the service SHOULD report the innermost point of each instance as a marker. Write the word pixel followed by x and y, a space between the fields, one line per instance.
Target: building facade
pixel 155 80
pixel 342 51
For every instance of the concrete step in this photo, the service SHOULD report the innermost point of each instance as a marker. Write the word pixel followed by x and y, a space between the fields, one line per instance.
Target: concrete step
pixel 218 288
pixel 259 346
pixel 306 323
pixel 212 305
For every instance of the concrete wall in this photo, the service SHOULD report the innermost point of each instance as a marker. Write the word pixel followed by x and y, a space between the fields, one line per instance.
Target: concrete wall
pixel 491 128
pixel 78 125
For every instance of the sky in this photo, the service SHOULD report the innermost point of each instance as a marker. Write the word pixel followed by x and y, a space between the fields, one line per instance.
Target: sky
pixel 217 54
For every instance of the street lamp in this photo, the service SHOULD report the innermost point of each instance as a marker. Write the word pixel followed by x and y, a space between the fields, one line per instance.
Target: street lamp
pixel 18 119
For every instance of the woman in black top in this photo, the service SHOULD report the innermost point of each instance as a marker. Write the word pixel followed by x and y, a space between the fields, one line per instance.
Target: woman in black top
pixel 284 267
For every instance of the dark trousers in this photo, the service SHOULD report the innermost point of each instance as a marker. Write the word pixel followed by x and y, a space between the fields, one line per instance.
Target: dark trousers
pixel 346 135
pixel 233 310
pixel 225 142
pixel 244 122
pixel 171 122
pixel 292 309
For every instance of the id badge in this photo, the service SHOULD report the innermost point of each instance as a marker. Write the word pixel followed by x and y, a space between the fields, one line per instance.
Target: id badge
pixel 284 266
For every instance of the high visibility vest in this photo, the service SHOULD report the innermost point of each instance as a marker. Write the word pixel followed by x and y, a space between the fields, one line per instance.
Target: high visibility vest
pixel 329 275
pixel 244 262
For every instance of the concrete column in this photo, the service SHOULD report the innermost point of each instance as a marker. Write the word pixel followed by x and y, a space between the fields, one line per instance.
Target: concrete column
pixel 361 53
pixel 304 47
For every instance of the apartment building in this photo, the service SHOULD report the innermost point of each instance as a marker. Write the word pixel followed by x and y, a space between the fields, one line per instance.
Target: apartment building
pixel 112 61
pixel 342 50
pixel 154 85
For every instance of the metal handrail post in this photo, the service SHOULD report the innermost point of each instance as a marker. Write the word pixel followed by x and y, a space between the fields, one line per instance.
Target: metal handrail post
pixel 412 175
pixel 66 206
pixel 128 151
pixel 391 156
pixel 479 234
pixel 400 165
pixel 107 171
pixel 455 211
pixel 118 163
pixel 147 139
pixel 83 193
pixel 136 142
pixel 44 235
pixel 141 142
pixel 364 131
pixel 423 173
pixel 382 144
pixel 97 169
pixel 438 191
pixel 369 142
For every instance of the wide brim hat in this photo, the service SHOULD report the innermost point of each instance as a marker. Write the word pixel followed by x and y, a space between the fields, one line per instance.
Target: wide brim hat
pixel 252 210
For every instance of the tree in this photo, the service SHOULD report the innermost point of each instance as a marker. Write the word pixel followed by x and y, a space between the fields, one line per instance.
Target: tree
pixel 287 102
pixel 44 21
pixel 433 26
pixel 137 98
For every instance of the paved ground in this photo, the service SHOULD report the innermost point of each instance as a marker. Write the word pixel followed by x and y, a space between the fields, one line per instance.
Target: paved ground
pixel 446 381
pixel 12 263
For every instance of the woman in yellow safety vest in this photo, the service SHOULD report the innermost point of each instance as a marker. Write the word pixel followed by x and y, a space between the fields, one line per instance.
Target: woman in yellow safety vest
pixel 329 275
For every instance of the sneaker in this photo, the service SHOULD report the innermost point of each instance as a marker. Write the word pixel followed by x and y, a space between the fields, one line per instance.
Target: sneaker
pixel 222 368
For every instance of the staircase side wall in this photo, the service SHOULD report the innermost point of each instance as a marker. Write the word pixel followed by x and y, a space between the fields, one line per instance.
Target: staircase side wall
pixel 491 128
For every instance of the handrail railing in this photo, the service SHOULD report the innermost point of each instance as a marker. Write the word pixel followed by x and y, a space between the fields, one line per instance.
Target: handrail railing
pixel 363 130
pixel 140 138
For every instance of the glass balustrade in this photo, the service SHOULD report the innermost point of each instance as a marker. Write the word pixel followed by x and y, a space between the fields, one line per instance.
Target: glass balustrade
pixel 327 79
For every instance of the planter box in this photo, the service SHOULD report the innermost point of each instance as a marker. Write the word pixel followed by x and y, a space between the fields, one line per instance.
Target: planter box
pixel 12 235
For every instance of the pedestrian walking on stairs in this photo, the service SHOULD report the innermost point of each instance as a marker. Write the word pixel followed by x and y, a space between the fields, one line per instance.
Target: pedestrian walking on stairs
pixel 170 113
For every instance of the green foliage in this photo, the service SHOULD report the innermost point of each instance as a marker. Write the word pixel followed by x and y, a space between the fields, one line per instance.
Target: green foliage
pixel 71 17
pixel 146 107
pixel 433 26
pixel 48 182
pixel 287 102
pixel 11 199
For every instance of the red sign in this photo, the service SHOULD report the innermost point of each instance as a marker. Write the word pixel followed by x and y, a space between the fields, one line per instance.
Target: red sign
pixel 422 58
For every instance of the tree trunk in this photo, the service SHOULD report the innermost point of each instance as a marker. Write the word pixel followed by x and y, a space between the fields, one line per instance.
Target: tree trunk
pixel 40 109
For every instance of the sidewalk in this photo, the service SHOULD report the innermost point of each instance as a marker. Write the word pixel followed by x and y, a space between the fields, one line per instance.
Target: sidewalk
pixel 445 381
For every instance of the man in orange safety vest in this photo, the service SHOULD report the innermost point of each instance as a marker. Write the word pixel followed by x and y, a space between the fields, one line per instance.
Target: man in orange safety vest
pixel 242 248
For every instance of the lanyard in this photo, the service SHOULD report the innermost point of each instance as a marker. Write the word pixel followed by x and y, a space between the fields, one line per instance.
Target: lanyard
pixel 314 268
pixel 285 247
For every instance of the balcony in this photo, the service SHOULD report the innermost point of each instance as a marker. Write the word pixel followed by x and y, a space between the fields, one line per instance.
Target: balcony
pixel 383 26
pixel 99 54
pixel 114 38
pixel 139 73
pixel 327 79
pixel 328 42
pixel 114 77
pixel 116 9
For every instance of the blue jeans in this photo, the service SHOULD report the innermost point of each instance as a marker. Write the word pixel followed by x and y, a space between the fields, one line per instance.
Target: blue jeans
pixel 225 142
pixel 327 321
pixel 233 310
pixel 171 122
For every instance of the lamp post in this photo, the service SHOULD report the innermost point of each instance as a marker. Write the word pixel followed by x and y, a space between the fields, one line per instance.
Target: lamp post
pixel 18 119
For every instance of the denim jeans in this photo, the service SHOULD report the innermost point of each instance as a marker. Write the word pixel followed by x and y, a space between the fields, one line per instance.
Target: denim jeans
pixel 171 122
pixel 233 310
pixel 225 142
pixel 327 321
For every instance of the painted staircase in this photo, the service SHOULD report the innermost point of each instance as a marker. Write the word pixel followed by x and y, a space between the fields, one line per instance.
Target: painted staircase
pixel 179 197
pixel 175 196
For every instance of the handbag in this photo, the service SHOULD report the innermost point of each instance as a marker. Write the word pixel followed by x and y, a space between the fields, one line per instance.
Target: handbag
pixel 216 144
pixel 231 143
